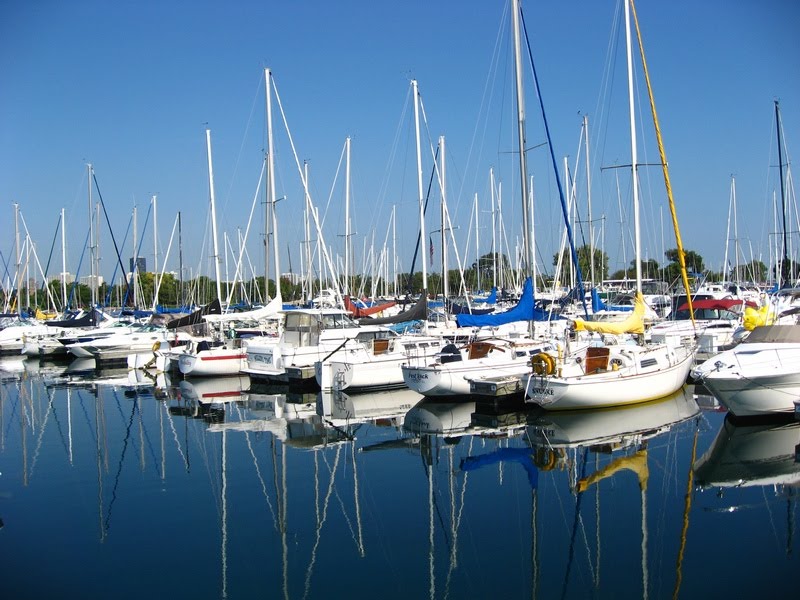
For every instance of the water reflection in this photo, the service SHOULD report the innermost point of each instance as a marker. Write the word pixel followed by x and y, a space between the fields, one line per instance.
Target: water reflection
pixel 274 493
pixel 752 454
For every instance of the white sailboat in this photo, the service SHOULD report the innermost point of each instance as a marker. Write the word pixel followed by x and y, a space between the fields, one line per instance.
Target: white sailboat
pixel 618 373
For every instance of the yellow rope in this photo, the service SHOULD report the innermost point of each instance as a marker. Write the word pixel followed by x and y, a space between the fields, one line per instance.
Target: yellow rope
pixel 663 155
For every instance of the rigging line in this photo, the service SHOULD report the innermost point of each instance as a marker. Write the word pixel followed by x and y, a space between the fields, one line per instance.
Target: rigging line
pixel 574 527
pixel 555 169
pixel 58 423
pixel 41 435
pixel 664 166
pixel 419 233
pixel 50 256
pixel 259 476
pixel 318 534
pixel 113 239
pixel 171 422
pixel 148 440
pixel 341 505
pixel 121 460
pixel 687 504
pixel 114 273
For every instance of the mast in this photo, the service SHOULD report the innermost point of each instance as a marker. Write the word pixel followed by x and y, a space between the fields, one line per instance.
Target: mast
pixel 63 263
pixel 589 201
pixel 477 248
pixel 271 183
pixel 181 299
pixel 213 216
pixel 155 244
pixel 785 265
pixel 495 218
pixel 634 174
pixel 135 265
pixel 523 160
pixel 92 246
pixel 18 271
pixel 445 286
pixel 419 188
pixel 347 247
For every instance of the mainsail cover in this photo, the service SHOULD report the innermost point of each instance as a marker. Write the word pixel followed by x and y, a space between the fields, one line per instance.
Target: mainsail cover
pixel 418 312
pixel 212 308
pixel 272 308
pixel 634 323
pixel 365 311
pixel 525 310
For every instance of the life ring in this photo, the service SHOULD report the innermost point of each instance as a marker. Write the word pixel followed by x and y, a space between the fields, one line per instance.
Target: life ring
pixel 543 364
pixel 545 459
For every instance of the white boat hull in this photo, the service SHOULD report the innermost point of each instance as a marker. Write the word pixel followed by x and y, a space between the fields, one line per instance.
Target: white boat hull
pixel 615 387
pixel 754 378
pixel 212 362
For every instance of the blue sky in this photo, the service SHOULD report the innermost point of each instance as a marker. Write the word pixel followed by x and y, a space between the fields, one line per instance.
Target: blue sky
pixel 132 86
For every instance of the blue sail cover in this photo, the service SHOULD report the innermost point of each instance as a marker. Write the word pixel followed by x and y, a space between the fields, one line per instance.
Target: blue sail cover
pixel 523 456
pixel 598 304
pixel 525 310
pixel 490 299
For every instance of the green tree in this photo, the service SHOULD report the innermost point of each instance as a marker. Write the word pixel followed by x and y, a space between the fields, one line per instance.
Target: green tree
pixel 755 271
pixel 694 263
pixel 584 262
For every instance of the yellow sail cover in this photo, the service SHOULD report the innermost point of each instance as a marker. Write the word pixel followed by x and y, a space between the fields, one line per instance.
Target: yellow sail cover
pixel 757 317
pixel 633 324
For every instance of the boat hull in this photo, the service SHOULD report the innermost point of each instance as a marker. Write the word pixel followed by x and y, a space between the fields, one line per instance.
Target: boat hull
pixel 213 362
pixel 610 388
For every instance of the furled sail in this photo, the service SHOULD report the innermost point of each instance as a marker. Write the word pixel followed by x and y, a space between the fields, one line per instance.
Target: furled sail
pixel 634 323
pixel 525 310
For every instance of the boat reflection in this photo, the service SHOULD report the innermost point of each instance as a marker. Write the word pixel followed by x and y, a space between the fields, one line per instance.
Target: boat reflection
pixel 612 429
pixel 744 455
pixel 431 416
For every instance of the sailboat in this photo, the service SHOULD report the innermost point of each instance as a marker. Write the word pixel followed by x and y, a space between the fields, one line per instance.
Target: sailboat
pixel 614 374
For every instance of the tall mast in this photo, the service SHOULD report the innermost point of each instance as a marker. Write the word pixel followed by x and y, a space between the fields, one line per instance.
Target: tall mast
pixel 135 266
pixel 155 236
pixel 634 158
pixel 213 216
pixel 728 230
pixel 589 200
pixel 271 182
pixel 523 160
pixel 63 262
pixel 495 216
pixel 18 269
pixel 92 246
pixel 181 299
pixel 419 189
pixel 785 265
pixel 443 181
pixel 347 247
pixel 477 248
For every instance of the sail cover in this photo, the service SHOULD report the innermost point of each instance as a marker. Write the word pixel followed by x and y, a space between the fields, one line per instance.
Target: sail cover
pixel 525 310
pixel 418 312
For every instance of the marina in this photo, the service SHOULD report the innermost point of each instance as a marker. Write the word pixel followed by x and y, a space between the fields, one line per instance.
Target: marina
pixel 492 363
pixel 123 486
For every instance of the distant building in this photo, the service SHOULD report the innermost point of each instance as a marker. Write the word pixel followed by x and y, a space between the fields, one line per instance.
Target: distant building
pixel 68 277
pixel 141 264
pixel 87 281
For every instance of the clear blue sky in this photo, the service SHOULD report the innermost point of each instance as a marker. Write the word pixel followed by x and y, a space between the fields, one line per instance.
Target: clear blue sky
pixel 132 86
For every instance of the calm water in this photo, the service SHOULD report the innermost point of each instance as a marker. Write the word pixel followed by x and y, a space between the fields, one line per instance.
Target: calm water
pixel 211 489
